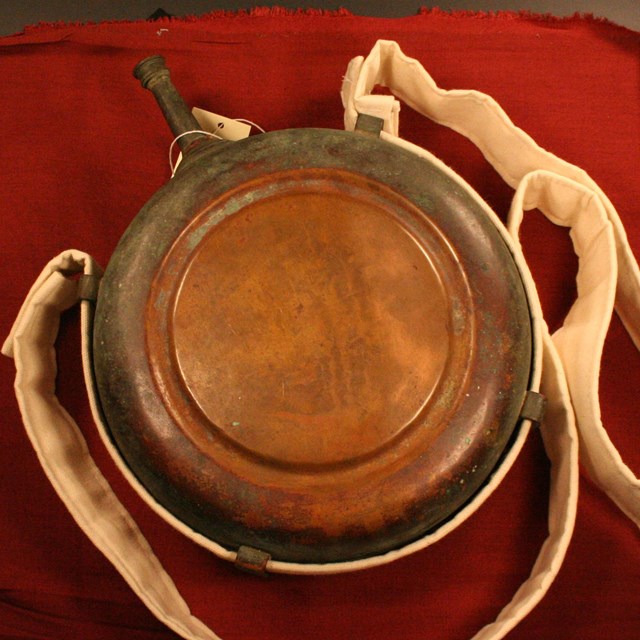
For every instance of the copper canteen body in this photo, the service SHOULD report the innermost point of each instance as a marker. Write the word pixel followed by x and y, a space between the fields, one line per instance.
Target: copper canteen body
pixel 310 342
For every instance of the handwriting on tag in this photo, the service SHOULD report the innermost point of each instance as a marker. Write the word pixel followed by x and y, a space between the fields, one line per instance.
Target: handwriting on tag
pixel 226 128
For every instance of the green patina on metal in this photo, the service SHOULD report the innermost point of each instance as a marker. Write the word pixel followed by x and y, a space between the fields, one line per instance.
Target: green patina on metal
pixel 356 295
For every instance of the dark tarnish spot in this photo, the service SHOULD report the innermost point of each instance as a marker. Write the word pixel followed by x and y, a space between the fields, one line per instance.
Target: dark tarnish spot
pixel 245 415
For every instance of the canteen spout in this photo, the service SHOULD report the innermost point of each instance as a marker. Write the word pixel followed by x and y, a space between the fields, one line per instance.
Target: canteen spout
pixel 154 75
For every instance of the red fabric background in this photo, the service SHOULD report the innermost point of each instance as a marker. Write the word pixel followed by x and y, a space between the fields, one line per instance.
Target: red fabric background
pixel 83 147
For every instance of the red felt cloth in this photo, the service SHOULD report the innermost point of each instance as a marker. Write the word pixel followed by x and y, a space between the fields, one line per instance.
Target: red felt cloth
pixel 83 147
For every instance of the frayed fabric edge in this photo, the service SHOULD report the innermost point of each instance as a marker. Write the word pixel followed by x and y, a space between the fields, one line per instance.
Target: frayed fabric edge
pixel 255 12
pixel 547 19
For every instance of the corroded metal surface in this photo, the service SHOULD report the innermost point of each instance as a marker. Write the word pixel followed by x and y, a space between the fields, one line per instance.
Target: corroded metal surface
pixel 154 76
pixel 312 343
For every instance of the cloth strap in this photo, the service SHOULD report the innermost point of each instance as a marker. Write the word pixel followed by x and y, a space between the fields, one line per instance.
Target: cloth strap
pixel 62 449
pixel 569 369
pixel 566 195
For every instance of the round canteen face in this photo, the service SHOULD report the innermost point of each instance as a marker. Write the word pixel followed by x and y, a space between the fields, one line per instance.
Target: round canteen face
pixel 312 343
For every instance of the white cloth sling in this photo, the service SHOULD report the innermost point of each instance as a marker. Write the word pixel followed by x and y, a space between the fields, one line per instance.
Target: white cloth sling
pixel 569 360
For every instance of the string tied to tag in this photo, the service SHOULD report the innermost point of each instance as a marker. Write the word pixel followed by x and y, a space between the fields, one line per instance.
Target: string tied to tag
pixel 173 166
pixel 212 134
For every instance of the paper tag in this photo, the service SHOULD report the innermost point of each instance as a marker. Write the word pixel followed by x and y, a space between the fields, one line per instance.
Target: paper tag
pixel 224 127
